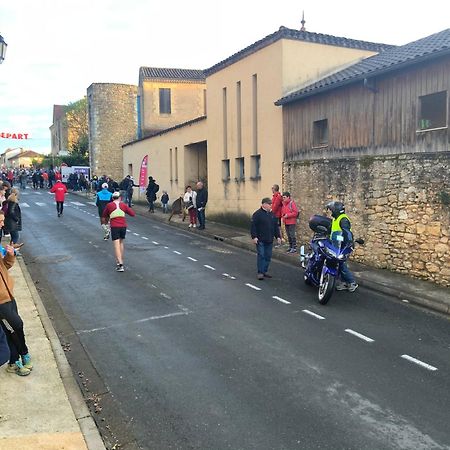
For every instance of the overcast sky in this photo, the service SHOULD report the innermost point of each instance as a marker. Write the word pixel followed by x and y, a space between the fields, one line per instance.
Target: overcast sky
pixel 57 48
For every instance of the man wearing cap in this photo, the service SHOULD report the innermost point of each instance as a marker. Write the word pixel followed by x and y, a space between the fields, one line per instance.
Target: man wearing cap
pixel 264 228
pixel 103 198
pixel 115 213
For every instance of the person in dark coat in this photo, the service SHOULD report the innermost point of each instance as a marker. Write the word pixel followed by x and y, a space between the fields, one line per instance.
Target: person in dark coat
pixel 13 218
pixel 264 228
pixel 202 200
pixel 150 193
pixel 4 349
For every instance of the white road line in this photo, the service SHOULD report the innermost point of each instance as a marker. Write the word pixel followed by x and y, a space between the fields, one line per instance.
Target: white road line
pixel 78 203
pixel 233 278
pixel 129 231
pixel 136 234
pixel 226 275
pixel 313 314
pixel 162 294
pixel 38 193
pixel 208 267
pixel 419 362
pixel 192 259
pixel 40 204
pixel 166 247
pixel 359 335
pixel 178 253
pixel 256 288
pixel 282 300
pixel 92 203
pixel 156 243
pixel 25 205
pixel 143 237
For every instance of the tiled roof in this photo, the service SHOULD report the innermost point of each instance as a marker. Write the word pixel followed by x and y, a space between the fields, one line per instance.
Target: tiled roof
pixel 396 58
pixel 288 33
pixel 171 74
pixel 26 154
pixel 167 130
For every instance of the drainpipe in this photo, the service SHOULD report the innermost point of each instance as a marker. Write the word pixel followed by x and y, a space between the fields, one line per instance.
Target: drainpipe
pixel 138 108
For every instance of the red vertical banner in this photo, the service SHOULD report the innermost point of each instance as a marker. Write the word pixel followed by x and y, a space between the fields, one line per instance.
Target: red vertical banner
pixel 143 174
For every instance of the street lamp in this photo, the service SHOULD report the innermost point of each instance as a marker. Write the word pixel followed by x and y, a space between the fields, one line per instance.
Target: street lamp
pixel 3 46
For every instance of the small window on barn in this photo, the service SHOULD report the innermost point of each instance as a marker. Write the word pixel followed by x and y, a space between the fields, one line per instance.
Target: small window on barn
pixel 164 101
pixel 255 167
pixel 320 133
pixel 433 111
pixel 225 169
pixel 240 169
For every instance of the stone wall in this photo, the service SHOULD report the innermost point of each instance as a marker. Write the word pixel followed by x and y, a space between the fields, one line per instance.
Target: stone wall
pixel 112 118
pixel 399 204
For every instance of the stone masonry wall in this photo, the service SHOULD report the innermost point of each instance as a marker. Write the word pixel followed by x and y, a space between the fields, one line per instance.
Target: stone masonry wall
pixel 112 118
pixel 399 204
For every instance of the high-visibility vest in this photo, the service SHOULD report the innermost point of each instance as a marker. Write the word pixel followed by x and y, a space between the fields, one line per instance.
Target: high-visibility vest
pixel 336 225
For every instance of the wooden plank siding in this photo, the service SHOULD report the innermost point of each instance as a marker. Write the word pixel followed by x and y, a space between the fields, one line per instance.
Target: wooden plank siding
pixel 362 122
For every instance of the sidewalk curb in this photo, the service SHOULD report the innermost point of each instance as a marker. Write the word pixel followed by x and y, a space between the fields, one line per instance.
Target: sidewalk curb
pixel 83 416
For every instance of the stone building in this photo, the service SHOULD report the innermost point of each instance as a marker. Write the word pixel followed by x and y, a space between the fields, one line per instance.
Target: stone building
pixel 375 135
pixel 58 131
pixel 112 120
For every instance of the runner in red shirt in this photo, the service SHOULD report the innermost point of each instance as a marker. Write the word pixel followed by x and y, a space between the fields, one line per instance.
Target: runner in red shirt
pixel 60 191
pixel 114 213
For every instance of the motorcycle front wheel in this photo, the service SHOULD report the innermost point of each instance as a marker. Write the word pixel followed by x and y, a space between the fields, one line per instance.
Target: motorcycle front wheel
pixel 326 287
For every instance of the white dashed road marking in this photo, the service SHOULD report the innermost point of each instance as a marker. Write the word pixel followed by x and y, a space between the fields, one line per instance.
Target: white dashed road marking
pixel 359 335
pixel 208 267
pixel 256 288
pixel 78 203
pixel 192 259
pixel 25 205
pixel 166 247
pixel 282 300
pixel 40 204
pixel 419 362
pixel 313 314
pixel 136 234
pixel 178 253
pixel 157 243
pixel 146 238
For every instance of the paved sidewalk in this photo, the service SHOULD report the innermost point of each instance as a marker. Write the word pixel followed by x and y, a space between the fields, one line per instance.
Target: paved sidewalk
pixel 399 286
pixel 44 410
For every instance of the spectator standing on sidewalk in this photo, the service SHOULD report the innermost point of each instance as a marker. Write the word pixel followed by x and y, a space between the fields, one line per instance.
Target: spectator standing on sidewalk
pixel 202 200
pixel 190 202
pixel 11 322
pixel 289 214
pixel 277 203
pixel 60 191
pixel 103 198
pixel 13 219
pixel 150 193
pixel 165 201
pixel 264 228
pixel 4 349
pixel 115 213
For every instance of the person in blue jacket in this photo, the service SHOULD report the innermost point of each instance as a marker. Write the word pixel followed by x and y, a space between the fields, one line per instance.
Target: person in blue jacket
pixel 103 198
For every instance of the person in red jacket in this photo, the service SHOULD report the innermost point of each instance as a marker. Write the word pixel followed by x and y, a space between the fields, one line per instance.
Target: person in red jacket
pixel 60 191
pixel 114 213
pixel 289 214
pixel 277 203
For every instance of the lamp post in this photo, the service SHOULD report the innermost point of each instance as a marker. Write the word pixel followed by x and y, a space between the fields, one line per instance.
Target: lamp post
pixel 3 46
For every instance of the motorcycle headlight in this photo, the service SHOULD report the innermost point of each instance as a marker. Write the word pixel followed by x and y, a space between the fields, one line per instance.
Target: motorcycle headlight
pixel 330 252
pixel 341 257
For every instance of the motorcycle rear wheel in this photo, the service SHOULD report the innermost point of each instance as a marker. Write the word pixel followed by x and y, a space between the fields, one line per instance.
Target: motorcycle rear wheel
pixel 326 287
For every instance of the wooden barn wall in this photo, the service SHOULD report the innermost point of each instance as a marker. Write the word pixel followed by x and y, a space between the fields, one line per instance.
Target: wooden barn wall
pixel 361 121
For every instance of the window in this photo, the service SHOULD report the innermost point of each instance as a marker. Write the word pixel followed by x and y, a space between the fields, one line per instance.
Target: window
pixel 225 169
pixel 255 167
pixel 130 169
pixel 433 111
pixel 176 163
pixel 239 118
pixel 320 133
pixel 255 113
pixel 171 165
pixel 225 122
pixel 165 101
pixel 240 170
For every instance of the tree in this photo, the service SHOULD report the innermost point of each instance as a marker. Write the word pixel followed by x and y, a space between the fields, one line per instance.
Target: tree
pixel 77 129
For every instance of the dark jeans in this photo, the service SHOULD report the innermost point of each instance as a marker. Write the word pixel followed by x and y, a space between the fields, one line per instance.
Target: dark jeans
pixel 201 218
pixel 290 231
pixel 264 255
pixel 14 236
pixel 12 325
pixel 151 205
pixel 346 275
pixel 59 207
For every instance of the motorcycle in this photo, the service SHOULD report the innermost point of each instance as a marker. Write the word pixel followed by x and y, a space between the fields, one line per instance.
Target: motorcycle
pixel 323 263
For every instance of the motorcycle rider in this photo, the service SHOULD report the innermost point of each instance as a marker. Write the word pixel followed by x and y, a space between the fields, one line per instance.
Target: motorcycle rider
pixel 341 226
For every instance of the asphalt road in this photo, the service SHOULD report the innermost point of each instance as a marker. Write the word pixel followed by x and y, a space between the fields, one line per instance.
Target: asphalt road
pixel 194 353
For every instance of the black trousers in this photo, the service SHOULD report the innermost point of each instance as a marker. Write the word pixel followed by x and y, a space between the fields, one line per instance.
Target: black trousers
pixel 12 325
pixel 59 207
